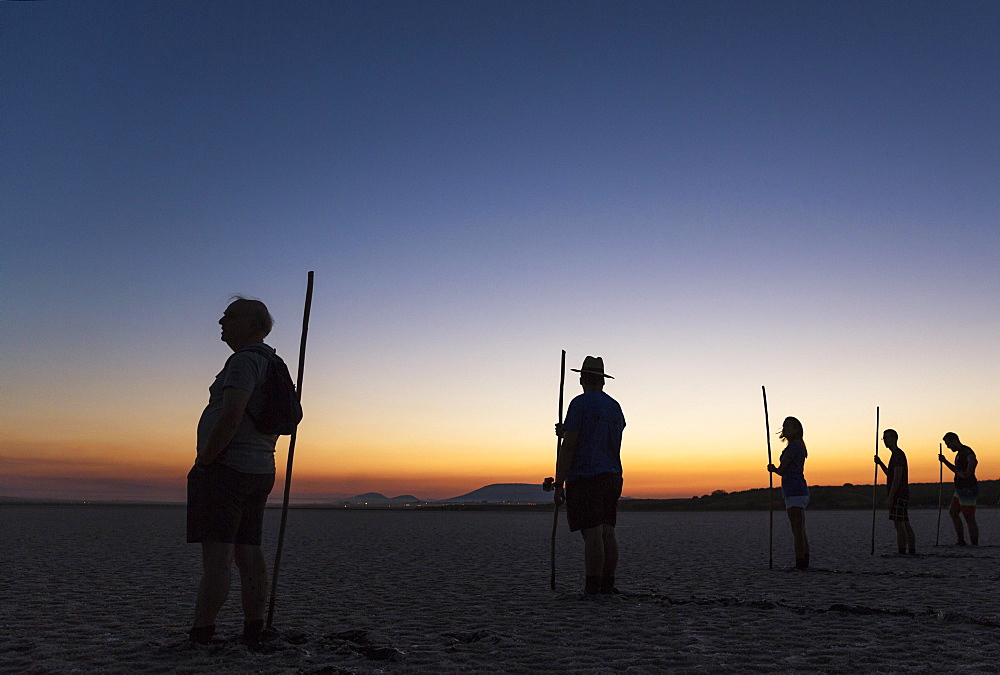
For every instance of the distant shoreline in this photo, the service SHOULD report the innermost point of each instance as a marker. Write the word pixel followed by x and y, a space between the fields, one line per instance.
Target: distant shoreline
pixel 822 497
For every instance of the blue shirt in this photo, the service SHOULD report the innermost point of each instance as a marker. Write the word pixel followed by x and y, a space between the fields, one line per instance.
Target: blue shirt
pixel 599 421
pixel 793 480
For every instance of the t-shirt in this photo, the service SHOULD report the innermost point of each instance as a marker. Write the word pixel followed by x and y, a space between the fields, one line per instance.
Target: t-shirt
pixel 599 421
pixel 793 480
pixel 898 459
pixel 250 451
pixel 962 458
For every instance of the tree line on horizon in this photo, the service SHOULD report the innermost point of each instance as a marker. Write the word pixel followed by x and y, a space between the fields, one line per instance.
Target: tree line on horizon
pixel 846 496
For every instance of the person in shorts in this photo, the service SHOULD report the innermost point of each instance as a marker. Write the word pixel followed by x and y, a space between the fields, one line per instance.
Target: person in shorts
pixel 589 462
pixel 232 477
pixel 966 488
pixel 898 480
pixel 791 468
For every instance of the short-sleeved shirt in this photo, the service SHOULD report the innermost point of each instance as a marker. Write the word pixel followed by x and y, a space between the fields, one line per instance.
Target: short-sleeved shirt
pixel 793 480
pixel 250 451
pixel 962 458
pixel 898 459
pixel 599 421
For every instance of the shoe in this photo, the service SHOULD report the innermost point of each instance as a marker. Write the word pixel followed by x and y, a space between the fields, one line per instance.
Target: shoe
pixel 202 635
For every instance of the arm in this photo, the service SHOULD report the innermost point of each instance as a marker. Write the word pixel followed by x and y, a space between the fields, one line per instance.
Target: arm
pixel 234 404
pixel 894 482
pixel 951 467
pixel 882 466
pixel 564 459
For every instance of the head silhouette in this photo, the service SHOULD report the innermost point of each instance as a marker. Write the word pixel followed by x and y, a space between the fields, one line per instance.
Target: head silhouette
pixel 244 322
pixel 951 440
pixel 791 430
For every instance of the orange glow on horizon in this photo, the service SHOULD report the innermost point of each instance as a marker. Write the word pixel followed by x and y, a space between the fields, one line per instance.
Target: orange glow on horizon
pixel 113 471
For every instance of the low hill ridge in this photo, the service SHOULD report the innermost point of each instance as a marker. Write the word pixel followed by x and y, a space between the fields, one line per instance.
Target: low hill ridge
pixel 504 493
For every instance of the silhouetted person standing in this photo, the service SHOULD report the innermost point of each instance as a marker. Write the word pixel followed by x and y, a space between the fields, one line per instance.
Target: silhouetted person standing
pixel 966 488
pixel 232 477
pixel 791 468
pixel 589 462
pixel 897 478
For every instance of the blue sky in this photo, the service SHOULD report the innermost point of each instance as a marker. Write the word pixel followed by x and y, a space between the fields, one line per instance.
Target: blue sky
pixel 711 195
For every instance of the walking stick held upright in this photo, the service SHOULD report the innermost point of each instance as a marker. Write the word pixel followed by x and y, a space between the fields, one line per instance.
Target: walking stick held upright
pixel 875 481
pixel 937 537
pixel 770 487
pixel 555 511
pixel 291 453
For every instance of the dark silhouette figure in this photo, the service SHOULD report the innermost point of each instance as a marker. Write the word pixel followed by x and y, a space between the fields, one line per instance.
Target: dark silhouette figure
pixel 232 477
pixel 791 468
pixel 589 462
pixel 897 477
pixel 966 488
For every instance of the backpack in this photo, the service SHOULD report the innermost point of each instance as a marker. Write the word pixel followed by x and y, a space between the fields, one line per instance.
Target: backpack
pixel 280 411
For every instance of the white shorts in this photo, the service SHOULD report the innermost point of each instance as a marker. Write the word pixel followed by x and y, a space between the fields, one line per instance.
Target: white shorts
pixel 797 502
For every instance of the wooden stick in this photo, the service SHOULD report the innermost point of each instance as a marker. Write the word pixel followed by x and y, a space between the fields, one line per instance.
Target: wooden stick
pixel 555 511
pixel 875 481
pixel 291 453
pixel 770 487
pixel 937 537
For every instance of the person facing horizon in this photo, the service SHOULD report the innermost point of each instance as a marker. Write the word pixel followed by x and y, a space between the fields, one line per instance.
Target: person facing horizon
pixel 898 481
pixel 232 476
pixel 794 489
pixel 966 488
pixel 589 462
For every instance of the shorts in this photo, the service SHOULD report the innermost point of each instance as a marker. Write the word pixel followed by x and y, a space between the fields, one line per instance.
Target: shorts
pixel 898 512
pixel 593 501
pixel 797 502
pixel 225 505
pixel 965 499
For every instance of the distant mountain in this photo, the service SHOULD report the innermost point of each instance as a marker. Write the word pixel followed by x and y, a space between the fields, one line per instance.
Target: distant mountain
pixel 378 498
pixel 504 493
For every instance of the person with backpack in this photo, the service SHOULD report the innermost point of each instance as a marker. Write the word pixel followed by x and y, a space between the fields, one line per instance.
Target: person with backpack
pixel 233 474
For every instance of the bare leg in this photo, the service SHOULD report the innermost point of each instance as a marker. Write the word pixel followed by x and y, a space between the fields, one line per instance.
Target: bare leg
pixel 610 560
pixel 911 539
pixel 797 519
pixel 593 550
pixel 253 580
pixel 970 519
pixel 216 559
pixel 953 511
pixel 901 535
pixel 610 552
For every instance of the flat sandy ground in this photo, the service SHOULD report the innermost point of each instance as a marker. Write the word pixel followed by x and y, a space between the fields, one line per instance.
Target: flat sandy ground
pixel 112 589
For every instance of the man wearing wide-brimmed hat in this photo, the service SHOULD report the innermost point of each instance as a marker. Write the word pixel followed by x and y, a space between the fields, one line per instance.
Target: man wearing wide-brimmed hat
pixel 589 462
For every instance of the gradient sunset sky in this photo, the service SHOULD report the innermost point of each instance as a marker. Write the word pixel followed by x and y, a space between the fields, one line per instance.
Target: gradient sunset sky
pixel 713 196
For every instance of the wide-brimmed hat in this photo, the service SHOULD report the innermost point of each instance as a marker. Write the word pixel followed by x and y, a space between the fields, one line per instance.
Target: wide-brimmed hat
pixel 593 365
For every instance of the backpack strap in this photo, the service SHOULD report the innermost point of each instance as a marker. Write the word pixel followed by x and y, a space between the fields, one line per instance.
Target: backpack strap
pixel 259 349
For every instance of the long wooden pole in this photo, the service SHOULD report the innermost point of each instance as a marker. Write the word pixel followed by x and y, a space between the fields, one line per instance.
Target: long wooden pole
pixel 291 453
pixel 875 481
pixel 937 537
pixel 770 486
pixel 555 511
